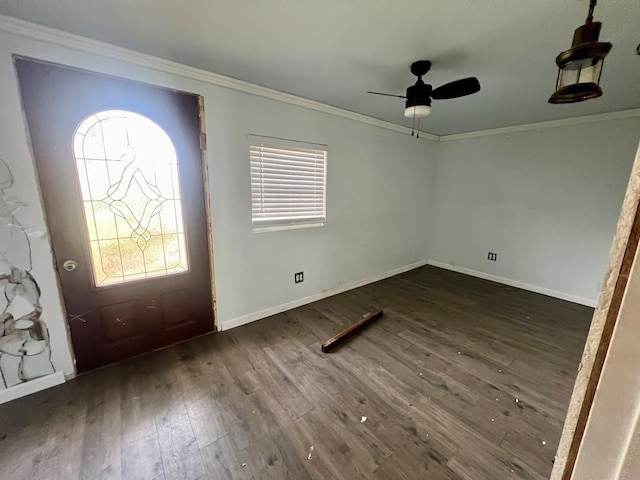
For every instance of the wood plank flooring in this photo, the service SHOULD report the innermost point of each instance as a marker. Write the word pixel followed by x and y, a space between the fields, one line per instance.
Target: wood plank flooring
pixel 460 379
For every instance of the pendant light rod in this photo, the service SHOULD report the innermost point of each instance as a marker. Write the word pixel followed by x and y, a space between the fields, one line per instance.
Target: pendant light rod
pixel 592 6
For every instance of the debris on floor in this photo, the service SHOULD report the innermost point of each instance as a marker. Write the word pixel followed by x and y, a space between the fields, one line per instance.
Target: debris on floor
pixel 366 319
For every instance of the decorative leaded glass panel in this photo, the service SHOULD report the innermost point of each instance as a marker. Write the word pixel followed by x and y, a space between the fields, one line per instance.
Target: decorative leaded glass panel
pixel 128 173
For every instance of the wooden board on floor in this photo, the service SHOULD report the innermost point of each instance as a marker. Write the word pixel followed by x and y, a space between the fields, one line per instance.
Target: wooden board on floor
pixel 349 332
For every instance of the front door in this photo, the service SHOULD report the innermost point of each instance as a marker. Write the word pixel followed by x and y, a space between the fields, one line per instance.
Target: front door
pixel 121 175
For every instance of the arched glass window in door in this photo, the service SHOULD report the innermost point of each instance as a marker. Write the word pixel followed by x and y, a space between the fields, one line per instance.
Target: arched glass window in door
pixel 128 173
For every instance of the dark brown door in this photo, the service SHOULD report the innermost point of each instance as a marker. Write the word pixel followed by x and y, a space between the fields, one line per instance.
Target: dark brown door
pixel 120 170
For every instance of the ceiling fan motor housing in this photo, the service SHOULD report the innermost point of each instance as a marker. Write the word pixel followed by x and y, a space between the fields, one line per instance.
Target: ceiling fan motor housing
pixel 419 94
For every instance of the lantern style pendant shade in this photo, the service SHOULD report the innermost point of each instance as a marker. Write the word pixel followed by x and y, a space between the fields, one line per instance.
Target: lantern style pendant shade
pixel 580 67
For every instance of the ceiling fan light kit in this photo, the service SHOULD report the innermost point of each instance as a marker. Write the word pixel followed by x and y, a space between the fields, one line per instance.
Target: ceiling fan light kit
pixel 417 111
pixel 580 67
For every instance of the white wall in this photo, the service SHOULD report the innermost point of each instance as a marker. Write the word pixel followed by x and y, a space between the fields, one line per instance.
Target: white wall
pixel 379 185
pixel 546 201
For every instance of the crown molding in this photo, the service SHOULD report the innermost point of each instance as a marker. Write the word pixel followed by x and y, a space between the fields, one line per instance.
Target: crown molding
pixel 58 37
pixel 599 117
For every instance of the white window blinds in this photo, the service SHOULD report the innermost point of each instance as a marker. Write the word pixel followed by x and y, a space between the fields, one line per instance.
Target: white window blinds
pixel 288 183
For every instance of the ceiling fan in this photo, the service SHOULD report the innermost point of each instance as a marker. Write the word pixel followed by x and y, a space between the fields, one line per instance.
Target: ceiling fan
pixel 419 96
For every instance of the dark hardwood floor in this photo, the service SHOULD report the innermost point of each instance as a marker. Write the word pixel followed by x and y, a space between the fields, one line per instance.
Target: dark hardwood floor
pixel 460 379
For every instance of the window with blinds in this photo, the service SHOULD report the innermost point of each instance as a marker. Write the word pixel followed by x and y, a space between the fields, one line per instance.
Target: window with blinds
pixel 288 183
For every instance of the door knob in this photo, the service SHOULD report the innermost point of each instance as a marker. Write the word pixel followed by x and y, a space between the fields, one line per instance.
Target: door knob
pixel 70 265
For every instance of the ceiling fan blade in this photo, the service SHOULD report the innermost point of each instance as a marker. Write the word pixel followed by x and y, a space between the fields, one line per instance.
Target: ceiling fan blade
pixel 388 94
pixel 459 88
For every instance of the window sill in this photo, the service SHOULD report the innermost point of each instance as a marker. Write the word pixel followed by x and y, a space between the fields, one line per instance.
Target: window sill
pixel 287 227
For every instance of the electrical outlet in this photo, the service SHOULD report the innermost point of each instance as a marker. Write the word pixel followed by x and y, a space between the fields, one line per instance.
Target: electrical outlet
pixel 298 277
pixel 492 256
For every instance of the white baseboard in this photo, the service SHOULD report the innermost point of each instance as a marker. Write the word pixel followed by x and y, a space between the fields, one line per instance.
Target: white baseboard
pixel 252 317
pixel 589 302
pixel 32 386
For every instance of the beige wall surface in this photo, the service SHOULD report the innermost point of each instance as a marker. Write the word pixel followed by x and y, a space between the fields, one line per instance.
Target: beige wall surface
pixel 610 448
pixel 611 433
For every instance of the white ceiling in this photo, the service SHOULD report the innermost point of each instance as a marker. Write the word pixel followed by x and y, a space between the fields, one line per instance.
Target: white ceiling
pixel 333 51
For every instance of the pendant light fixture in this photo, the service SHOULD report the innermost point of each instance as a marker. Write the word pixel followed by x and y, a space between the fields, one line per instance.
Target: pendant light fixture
pixel 580 67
